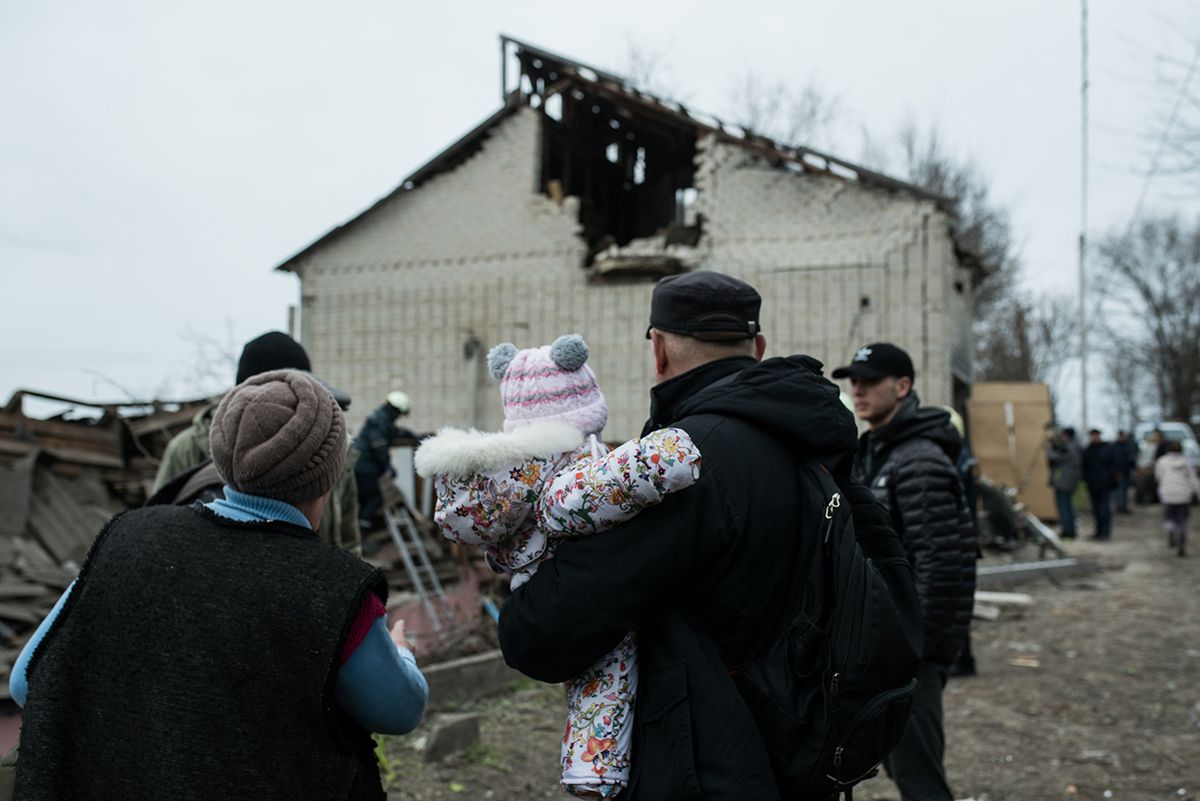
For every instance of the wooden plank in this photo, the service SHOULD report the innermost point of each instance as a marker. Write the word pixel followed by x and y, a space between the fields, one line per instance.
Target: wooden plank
pixel 29 554
pixel 1010 575
pixel 10 589
pixel 23 613
pixel 985 611
pixel 1003 598
pixel 16 492
pixel 59 522
pixel 57 577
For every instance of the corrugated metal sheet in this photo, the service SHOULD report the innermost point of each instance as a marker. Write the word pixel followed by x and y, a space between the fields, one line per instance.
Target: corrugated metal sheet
pixel 16 492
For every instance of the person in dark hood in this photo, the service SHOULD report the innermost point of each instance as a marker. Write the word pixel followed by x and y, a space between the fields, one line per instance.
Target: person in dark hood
pixel 706 578
pixel 907 457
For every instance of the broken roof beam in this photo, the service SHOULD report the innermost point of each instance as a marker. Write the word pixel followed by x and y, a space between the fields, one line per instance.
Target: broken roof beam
pixel 547 57
pixel 615 85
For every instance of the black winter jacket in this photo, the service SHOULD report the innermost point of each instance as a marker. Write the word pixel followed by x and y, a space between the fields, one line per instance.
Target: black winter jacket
pixel 705 578
pixel 1100 466
pixel 378 434
pixel 909 464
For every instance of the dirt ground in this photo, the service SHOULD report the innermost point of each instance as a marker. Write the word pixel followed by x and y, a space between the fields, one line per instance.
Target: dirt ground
pixel 1090 694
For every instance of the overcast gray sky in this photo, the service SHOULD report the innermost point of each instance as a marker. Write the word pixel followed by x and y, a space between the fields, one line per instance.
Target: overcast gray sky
pixel 157 160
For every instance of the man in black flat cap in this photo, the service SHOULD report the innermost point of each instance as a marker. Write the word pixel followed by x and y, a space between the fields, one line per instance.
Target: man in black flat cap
pixel 707 578
pixel 907 458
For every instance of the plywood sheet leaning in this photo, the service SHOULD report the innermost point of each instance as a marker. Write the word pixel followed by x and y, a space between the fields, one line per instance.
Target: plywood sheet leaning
pixel 1008 429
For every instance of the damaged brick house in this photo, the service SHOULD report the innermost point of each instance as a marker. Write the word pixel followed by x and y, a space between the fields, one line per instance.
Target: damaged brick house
pixel 559 212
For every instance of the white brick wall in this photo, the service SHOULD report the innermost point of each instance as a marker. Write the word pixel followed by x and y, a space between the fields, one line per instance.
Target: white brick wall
pixel 480 251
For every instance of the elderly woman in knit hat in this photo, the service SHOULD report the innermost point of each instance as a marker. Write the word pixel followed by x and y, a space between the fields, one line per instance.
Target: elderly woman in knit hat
pixel 223 650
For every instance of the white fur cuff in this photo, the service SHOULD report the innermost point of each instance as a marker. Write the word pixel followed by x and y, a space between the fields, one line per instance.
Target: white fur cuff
pixel 457 452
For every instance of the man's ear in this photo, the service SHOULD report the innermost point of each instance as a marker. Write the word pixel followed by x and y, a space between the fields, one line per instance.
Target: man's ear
pixel 904 386
pixel 659 345
pixel 760 347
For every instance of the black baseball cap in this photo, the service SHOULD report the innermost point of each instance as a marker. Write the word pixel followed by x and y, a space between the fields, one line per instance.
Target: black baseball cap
pixel 877 360
pixel 708 306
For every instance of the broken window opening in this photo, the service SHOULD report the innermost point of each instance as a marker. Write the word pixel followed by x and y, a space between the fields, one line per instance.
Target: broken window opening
pixel 632 170
pixel 685 199
pixel 639 167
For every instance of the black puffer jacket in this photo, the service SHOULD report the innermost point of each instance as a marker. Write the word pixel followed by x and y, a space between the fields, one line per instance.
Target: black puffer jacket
pixel 909 463
pixel 706 578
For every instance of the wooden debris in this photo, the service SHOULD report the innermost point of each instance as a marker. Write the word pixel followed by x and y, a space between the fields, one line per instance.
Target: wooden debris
pixel 1009 575
pixel 985 611
pixel 22 613
pixel 10 589
pixel 1003 598
pixel 61 479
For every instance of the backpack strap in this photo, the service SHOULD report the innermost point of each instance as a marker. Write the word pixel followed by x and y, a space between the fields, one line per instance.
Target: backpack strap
pixel 836 505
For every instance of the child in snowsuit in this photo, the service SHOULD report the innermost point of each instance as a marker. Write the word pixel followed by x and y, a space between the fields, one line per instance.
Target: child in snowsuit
pixel 545 477
pixel 1177 485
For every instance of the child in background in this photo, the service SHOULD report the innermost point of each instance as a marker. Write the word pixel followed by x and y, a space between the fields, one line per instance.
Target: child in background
pixel 1177 484
pixel 545 477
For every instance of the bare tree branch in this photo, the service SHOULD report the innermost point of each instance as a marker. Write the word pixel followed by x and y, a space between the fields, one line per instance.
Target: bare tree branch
pixel 794 114
pixel 981 225
pixel 1027 338
pixel 1151 284
pixel 213 365
pixel 648 67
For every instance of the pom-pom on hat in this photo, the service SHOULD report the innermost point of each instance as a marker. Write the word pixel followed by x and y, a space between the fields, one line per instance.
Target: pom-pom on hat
pixel 549 383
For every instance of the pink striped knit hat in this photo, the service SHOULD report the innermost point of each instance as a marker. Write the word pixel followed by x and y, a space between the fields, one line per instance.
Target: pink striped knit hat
pixel 549 383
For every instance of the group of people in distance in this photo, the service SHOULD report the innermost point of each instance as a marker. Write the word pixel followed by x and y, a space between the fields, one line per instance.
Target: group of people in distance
pixel 1106 470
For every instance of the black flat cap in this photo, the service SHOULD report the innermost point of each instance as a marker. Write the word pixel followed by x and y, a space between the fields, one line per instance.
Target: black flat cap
pixel 706 305
pixel 877 360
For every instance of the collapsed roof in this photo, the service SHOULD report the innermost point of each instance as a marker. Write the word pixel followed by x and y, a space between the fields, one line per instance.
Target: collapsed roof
pixel 627 154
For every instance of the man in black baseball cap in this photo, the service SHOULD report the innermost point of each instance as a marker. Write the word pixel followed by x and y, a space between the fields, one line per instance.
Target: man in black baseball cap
pixel 908 459
pixel 700 317
pixel 881 375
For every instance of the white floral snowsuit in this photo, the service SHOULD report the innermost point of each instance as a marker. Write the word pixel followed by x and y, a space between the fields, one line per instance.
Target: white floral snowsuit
pixel 517 514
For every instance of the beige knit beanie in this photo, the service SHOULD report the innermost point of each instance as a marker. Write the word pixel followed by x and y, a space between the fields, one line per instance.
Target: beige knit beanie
pixel 279 435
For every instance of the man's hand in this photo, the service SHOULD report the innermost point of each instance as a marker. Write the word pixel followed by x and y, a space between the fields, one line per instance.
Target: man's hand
pixel 398 637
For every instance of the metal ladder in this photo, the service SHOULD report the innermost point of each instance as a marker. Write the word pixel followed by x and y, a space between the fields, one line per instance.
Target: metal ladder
pixel 407 537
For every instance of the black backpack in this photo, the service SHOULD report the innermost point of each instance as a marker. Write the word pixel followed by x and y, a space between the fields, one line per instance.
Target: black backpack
pixel 831 697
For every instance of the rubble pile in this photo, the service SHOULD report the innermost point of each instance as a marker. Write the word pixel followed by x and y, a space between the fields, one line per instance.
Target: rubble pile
pixel 61 479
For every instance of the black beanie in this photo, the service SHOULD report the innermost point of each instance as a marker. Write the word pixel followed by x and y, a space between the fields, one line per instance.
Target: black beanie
pixel 273 350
